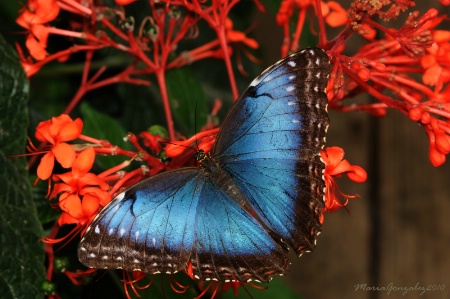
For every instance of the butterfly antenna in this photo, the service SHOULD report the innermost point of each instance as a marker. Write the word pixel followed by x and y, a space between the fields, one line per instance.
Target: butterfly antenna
pixel 195 123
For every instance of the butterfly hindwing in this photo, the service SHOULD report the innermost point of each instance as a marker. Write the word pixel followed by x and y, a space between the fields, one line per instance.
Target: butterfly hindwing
pixel 270 143
pixel 232 245
pixel 148 227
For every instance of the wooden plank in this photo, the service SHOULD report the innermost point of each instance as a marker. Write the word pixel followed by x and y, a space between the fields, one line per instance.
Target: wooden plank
pixel 415 211
pixel 340 259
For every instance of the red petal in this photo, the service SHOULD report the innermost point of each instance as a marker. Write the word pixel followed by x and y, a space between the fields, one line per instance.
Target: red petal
pixel 65 177
pixel 61 188
pixel 47 10
pixel 57 123
pixel 83 163
pixel 358 174
pixel 36 49
pixel 23 19
pixel 90 179
pixel 42 132
pixel 40 32
pixel 431 75
pixel 67 219
pixel 90 204
pixel 45 167
pixel 71 204
pixel 332 156
pixel 337 15
pixel 342 167
pixel 65 154
pixel 103 196
pixel 71 131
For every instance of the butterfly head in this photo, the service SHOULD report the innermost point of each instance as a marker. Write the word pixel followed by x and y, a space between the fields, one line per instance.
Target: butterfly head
pixel 200 156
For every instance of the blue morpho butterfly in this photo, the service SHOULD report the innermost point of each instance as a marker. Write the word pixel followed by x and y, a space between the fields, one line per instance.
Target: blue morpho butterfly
pixel 259 191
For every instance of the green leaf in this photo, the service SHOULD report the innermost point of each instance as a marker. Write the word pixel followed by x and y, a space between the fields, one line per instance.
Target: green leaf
pixel 101 126
pixel 22 254
pixel 277 288
pixel 187 100
pixel 140 106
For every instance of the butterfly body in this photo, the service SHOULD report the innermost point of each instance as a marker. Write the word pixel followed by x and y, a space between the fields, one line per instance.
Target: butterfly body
pixel 259 191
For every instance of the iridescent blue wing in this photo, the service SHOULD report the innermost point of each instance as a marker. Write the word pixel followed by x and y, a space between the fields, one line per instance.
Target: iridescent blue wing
pixel 161 223
pixel 270 142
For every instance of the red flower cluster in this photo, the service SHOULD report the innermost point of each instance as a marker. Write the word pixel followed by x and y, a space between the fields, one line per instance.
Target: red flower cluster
pixel 79 183
pixel 83 193
pixel 35 17
pixel 387 68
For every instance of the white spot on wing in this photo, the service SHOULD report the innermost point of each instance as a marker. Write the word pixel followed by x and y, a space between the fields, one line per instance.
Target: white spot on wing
pixel 97 229
pixel 291 77
pixel 316 89
pixel 295 121
pixel 291 63
pixel 136 235
pixel 317 61
pixel 91 255
pixel 291 103
pixel 105 257
pixel 122 231
pixel 290 88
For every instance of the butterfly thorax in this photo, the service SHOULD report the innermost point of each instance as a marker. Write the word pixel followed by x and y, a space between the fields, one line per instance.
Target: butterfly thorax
pixel 220 178
pixel 208 163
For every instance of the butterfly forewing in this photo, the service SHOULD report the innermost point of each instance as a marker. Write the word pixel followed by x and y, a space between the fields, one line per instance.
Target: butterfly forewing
pixel 270 144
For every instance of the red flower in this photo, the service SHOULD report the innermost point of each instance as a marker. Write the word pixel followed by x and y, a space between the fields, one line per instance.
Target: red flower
pixel 336 165
pixel 56 131
pixel 436 63
pixel 33 17
pixel 80 183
